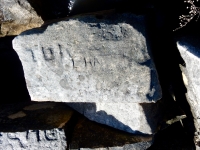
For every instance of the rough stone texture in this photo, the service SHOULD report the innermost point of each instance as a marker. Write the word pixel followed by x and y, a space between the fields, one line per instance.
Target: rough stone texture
pixel 53 139
pixel 136 146
pixel 89 134
pixel 189 49
pixel 86 59
pixel 129 117
pixel 16 17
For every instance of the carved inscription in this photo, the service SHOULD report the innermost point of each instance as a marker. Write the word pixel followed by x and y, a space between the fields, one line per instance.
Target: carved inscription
pixel 83 62
pixel 89 60
pixel 48 53
pixel 33 139
pixel 77 61
pixel 51 135
pixel 110 32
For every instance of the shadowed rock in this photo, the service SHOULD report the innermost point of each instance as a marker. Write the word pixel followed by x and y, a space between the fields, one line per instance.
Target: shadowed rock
pixel 89 134
pixel 189 49
pixel 34 125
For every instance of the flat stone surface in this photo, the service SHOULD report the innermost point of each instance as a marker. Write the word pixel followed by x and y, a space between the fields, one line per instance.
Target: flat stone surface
pixel 53 139
pixel 17 16
pixel 130 117
pixel 189 49
pixel 85 59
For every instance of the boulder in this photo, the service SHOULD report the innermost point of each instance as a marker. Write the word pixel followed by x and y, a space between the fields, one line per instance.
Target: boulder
pixel 86 59
pixel 103 62
pixel 189 49
pixel 17 16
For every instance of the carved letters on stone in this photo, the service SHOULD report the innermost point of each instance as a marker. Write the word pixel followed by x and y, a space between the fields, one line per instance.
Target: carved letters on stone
pixel 33 139
pixel 89 60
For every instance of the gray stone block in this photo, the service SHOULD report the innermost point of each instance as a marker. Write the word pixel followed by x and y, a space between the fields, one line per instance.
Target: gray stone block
pixel 53 139
pixel 189 49
pixel 86 59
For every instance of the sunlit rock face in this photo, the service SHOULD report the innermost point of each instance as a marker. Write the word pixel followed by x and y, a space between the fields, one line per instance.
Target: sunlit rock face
pixel 89 60
pixel 189 49
pixel 96 60
pixel 17 16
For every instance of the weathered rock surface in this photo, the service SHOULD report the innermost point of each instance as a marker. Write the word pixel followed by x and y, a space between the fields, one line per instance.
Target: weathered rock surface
pixel 136 146
pixel 129 117
pixel 189 49
pixel 86 59
pixel 17 16
pixel 53 139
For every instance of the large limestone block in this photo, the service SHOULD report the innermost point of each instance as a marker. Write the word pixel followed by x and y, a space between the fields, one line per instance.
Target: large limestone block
pixel 17 16
pixel 53 139
pixel 189 49
pixel 86 59
pixel 130 117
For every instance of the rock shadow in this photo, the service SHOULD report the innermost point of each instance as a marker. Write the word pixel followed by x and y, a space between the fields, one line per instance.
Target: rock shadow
pixel 90 111
pixel 167 60
pixel 12 81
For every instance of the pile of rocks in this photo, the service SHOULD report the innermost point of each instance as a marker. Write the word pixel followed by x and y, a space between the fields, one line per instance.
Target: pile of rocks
pixel 99 65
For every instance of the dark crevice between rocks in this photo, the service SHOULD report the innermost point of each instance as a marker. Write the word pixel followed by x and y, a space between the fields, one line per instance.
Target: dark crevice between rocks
pixel 69 128
pixel 172 138
pixel 12 81
pixel 50 9
pixel 167 59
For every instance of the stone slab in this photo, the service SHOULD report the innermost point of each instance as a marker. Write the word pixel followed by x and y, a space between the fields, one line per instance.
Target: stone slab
pixel 53 139
pixel 189 49
pixel 86 59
